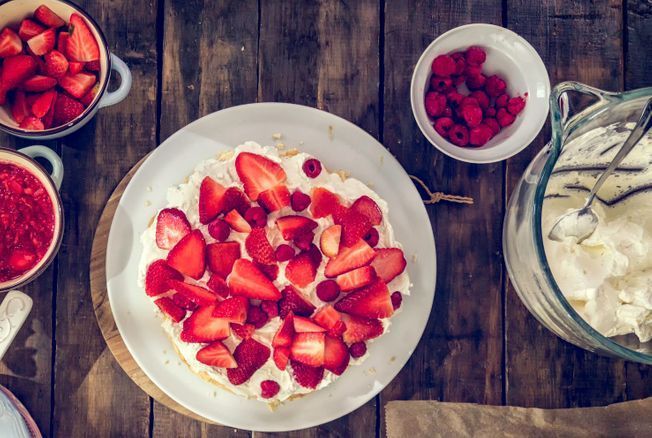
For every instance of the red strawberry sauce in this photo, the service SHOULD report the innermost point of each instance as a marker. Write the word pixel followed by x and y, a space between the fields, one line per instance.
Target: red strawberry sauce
pixel 26 221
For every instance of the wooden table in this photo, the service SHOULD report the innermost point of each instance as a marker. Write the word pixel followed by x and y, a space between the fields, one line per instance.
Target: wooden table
pixel 354 59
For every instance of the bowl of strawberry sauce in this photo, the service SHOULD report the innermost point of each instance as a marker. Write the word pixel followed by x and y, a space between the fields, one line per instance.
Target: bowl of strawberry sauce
pixel 31 214
pixel 55 68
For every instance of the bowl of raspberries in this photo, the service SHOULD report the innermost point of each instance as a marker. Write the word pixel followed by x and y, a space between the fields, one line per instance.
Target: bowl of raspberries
pixel 54 69
pixel 480 93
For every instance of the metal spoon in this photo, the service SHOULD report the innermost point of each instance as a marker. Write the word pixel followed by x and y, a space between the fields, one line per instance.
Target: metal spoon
pixel 581 223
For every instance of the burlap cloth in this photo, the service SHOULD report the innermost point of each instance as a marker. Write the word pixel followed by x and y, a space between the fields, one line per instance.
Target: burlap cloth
pixel 415 419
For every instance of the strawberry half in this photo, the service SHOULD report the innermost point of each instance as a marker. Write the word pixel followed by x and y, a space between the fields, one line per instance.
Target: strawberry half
pixel 301 270
pixel 216 355
pixel 243 331
pixel 220 257
pixel 235 199
pixel 189 255
pixel 373 301
pixel 355 226
pixel 81 45
pixel 275 198
pixel 305 375
pixel 202 326
pixel 349 259
pixel 62 40
pixel 56 65
pixel 308 348
pixel 232 309
pixel 357 278
pixel 294 302
pixel 171 226
pixel 78 85
pixel 28 29
pixel 329 241
pixel 158 276
pixel 258 173
pixel 75 67
pixel 42 43
pixel 327 317
pixel 39 83
pixel 17 69
pixel 305 325
pixel 368 207
pixel 285 333
pixel 168 307
pixel 250 356
pixel 389 263
pixel 10 43
pixel 19 108
pixel 259 248
pixel 218 285
pixel 194 293
pixel 237 222
pixel 183 302
pixel 248 281
pixel 211 199
pixel 336 355
pixel 293 225
pixel 361 329
pixel 46 16
pixel 66 109
pixel 281 357
pixel 32 124
pixel 324 203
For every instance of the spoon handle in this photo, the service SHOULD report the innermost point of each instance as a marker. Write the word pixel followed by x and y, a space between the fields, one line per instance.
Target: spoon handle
pixel 642 126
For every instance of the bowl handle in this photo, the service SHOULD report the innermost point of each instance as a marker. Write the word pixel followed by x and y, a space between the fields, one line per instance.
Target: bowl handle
pixel 51 157
pixel 14 310
pixel 117 96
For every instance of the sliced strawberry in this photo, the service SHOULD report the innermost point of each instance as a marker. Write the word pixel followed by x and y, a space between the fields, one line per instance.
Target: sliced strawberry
pixel 234 198
pixel 220 257
pixel 49 117
pixel 281 357
pixel 275 198
pixel 42 105
pixel 171 226
pixel 10 43
pixel 42 43
pixel 75 67
pixel 232 309
pixel 168 307
pixel 90 96
pixel 56 65
pixel 324 203
pixel 218 285
pixel 361 329
pixel 351 258
pixel 355 226
pixel 329 241
pixel 78 85
pixel 259 248
pixel 315 255
pixel 250 356
pixel 202 326
pixel 32 124
pixel 258 173
pixel 294 301
pixel 301 270
pixel 336 355
pixel 81 45
pixel 62 41
pixel 327 317
pixel 305 325
pixel 293 225
pixel 247 280
pixel 307 376
pixel 17 69
pixel 93 66
pixel 158 276
pixel 211 199
pixel 19 108
pixel 389 263
pixel 270 271
pixel 308 348
pixel 39 83
pixel 28 29
pixel 368 207
pixel 194 293
pixel 237 222
pixel 373 301
pixel 243 331
pixel 46 16
pixel 183 302
pixel 216 355
pixel 285 333
pixel 66 109
pixel 189 255
pixel 357 278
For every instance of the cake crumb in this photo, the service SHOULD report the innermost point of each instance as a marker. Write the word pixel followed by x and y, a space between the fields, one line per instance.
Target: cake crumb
pixel 301 143
pixel 280 145
pixel 344 175
pixel 166 362
pixel 392 359
pixel 290 152
pixel 277 136
pixel 371 185
pixel 151 221
pixel 370 371
pixel 331 135
pixel 148 203
pixel 226 155
pixel 414 258
pixel 148 188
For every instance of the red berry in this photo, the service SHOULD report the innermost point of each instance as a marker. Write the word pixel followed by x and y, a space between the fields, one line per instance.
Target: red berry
pixel 443 125
pixel 475 55
pixel 312 168
pixel 460 62
pixel 501 101
pixel 448 112
pixel 358 349
pixel 458 135
pixel 443 65
pixel 480 135
pixel 219 230
pixel 372 237
pixel 492 124
pixel 328 290
pixel 440 84
pixel 475 82
pixel 256 217
pixel 504 118
pixel 256 316
pixel 269 388
pixel 270 308
pixel 481 97
pixel 454 97
pixel 495 86
pixel 469 101
pixel 397 299
pixel 472 70
pixel 516 105
pixel 284 253
pixel 472 115
pixel 490 112
pixel 299 201
pixel 435 103
pixel 459 80
pixel 304 240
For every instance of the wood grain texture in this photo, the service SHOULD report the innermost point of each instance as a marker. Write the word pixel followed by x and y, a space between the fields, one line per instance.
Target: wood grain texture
pixel 93 396
pixel 638 55
pixel 460 354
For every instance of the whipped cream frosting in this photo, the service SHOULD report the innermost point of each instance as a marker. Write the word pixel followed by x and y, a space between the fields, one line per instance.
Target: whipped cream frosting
pixel 185 196
pixel 608 277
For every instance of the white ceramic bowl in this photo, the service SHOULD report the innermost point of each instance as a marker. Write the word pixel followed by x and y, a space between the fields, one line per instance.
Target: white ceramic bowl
pixel 509 56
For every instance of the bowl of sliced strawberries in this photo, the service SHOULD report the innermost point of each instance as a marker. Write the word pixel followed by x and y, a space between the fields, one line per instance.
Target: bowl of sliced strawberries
pixel 55 67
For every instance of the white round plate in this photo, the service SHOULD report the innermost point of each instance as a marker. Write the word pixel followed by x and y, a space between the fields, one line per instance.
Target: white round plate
pixel 339 145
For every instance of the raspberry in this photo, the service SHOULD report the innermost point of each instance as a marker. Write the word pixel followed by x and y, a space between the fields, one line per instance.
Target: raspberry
pixel 475 56
pixel 516 105
pixel 459 80
pixel 475 82
pixel 458 135
pixel 372 237
pixel 328 290
pixel 435 103
pixel 299 201
pixel 469 101
pixel 270 308
pixel 448 112
pixel 440 84
pixel 480 135
pixel 472 115
pixel 443 65
pixel 358 349
pixel 397 299
pixel 284 253
pixel 312 168
pixel 494 86
pixel 501 101
pixel 304 240
pixel 219 230
pixel 269 388
pixel 472 70
pixel 443 125
pixel 454 97
pixel 256 217
pixel 504 118
pixel 460 62
pixel 481 97
pixel 256 316
pixel 492 124
pixel 490 112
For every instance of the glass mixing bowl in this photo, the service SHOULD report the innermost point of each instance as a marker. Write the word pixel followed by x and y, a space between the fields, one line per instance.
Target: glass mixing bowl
pixel 523 245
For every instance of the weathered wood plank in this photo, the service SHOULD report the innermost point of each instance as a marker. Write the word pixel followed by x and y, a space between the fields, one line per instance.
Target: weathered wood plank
pixel 93 396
